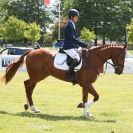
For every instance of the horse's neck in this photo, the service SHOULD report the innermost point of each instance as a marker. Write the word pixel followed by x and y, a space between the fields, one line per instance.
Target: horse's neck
pixel 102 55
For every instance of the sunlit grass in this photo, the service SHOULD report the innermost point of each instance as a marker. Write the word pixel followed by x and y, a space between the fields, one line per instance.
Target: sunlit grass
pixel 57 101
pixel 131 51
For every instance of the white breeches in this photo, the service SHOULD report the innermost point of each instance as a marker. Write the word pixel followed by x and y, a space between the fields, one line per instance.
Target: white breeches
pixel 73 53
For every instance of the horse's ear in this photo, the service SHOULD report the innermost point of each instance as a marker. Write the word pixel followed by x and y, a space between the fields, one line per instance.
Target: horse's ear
pixel 125 46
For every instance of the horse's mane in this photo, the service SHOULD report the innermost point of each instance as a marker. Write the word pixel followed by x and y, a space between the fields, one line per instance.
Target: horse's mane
pixel 106 47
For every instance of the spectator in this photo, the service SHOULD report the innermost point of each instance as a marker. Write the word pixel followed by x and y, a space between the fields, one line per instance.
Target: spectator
pixel 37 45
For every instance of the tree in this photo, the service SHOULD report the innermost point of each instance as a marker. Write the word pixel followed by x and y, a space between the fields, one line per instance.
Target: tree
pixel 29 11
pixel 32 33
pixel 16 30
pixel 3 11
pixel 107 18
pixel 87 35
pixel 13 29
pixel 130 29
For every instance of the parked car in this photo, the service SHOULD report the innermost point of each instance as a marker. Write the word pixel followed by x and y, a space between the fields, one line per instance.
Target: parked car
pixel 14 50
pixel 10 54
pixel 128 66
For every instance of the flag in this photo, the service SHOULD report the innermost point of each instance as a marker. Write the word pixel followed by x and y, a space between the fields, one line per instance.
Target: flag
pixel 47 2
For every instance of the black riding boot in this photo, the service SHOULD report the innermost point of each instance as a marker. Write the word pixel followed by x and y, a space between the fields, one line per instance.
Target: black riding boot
pixel 71 73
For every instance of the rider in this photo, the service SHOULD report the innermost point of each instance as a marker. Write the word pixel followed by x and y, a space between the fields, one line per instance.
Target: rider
pixel 71 41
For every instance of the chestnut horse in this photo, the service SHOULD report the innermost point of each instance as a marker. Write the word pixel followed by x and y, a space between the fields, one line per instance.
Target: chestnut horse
pixel 39 64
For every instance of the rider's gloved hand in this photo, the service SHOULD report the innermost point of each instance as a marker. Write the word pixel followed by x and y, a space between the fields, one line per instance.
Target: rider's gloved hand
pixel 83 45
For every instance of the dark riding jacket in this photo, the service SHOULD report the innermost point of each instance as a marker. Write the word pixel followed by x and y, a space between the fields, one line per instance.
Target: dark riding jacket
pixel 70 37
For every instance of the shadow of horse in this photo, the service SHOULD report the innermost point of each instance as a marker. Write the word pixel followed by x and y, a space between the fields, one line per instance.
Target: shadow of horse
pixel 56 118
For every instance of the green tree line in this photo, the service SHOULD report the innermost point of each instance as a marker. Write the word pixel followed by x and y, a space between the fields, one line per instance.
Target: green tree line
pixel 104 19
pixel 107 18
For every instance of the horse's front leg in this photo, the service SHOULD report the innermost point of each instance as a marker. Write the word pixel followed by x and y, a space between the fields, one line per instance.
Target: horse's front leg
pixel 85 100
pixel 86 104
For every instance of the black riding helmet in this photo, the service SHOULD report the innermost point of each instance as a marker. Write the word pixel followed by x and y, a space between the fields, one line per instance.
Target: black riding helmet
pixel 72 13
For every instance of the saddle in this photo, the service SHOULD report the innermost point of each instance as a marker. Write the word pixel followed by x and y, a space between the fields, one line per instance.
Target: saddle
pixel 63 61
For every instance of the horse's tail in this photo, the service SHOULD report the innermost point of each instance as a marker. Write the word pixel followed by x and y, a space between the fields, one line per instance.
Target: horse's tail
pixel 13 67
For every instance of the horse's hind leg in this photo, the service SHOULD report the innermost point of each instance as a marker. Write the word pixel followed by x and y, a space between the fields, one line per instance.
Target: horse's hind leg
pixel 29 87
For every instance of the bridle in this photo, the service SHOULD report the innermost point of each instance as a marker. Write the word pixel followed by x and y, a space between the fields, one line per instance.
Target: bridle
pixel 112 64
pixel 120 55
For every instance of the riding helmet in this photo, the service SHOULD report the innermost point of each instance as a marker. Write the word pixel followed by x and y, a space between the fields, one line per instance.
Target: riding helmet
pixel 72 13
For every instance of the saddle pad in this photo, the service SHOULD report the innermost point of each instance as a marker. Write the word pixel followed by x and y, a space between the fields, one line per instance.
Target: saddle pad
pixel 60 62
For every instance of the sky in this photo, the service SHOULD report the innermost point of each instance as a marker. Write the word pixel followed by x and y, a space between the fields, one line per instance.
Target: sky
pixel 52 1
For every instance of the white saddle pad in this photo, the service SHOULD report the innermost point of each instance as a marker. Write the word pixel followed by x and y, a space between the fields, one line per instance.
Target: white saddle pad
pixel 60 62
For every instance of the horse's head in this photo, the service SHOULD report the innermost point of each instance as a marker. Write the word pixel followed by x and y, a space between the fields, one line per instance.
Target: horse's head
pixel 119 59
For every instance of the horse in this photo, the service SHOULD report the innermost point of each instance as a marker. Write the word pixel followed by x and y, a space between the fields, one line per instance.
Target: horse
pixel 39 64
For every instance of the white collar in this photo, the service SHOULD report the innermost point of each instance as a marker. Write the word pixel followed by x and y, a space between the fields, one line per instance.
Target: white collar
pixel 73 24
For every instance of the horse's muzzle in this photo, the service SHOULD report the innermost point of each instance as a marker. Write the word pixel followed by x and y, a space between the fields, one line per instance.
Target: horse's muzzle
pixel 119 70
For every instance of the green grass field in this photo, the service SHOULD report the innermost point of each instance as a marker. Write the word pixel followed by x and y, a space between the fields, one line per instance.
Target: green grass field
pixel 57 101
pixel 131 51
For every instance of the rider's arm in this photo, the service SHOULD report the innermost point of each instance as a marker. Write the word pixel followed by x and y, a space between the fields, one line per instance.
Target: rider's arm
pixel 70 34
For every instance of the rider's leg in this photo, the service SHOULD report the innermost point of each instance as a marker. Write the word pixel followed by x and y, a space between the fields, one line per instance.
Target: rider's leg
pixel 70 73
pixel 75 56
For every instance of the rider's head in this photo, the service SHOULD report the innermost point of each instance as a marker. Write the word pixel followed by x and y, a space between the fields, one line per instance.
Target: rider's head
pixel 73 14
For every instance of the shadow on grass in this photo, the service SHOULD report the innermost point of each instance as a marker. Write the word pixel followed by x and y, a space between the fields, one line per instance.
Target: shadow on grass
pixel 57 118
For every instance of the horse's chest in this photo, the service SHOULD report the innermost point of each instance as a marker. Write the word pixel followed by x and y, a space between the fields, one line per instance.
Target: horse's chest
pixel 88 75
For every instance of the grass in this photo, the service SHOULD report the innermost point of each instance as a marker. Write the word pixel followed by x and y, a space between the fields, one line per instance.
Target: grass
pixel 131 51
pixel 57 101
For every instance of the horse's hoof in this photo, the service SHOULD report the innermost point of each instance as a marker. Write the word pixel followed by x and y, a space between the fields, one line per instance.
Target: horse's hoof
pixel 88 116
pixel 37 111
pixel 34 109
pixel 26 107
pixel 81 105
